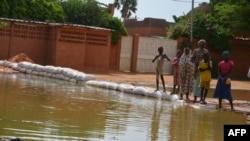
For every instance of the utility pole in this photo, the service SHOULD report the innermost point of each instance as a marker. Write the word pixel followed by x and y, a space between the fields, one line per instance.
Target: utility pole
pixel 192 23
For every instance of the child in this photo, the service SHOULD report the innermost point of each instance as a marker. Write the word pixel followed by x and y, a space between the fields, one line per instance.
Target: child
pixel 159 67
pixel 205 67
pixel 175 63
pixel 223 88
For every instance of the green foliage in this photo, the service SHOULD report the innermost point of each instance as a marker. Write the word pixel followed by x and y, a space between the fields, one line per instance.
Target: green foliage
pixel 216 27
pixel 179 29
pixel 234 15
pixel 118 29
pixel 127 7
pixel 17 9
pixel 4 8
pixel 204 26
pixel 85 12
pixel 4 24
pixel 210 28
pixel 72 9
pixel 89 13
pixel 40 10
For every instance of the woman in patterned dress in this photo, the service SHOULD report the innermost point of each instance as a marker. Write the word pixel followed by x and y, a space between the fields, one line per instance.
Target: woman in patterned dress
pixel 186 69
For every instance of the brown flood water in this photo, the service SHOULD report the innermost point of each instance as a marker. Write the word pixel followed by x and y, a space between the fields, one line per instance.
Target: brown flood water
pixel 37 108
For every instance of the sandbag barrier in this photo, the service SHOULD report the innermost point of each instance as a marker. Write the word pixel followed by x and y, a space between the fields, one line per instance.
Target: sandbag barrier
pixel 76 76
pixel 137 90
pixel 49 71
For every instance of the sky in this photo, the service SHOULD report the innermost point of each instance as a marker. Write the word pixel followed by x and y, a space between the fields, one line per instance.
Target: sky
pixel 161 9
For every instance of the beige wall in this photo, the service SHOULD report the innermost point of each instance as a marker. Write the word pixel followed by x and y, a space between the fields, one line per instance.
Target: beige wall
pixel 147 49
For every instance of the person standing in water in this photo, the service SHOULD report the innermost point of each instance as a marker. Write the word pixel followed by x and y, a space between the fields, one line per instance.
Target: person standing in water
pixel 223 86
pixel 159 67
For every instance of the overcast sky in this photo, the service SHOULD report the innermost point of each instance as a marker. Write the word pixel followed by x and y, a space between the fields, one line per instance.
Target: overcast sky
pixel 162 9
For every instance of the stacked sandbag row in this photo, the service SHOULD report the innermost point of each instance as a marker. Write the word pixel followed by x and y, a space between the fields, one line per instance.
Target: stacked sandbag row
pixel 129 88
pixel 49 71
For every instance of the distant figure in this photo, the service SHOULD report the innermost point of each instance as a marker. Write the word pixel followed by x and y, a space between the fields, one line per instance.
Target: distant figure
pixel 186 69
pixel 176 79
pixel 223 86
pixel 205 68
pixel 197 57
pixel 159 67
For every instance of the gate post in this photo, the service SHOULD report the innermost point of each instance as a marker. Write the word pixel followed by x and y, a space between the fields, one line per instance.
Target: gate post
pixel 134 54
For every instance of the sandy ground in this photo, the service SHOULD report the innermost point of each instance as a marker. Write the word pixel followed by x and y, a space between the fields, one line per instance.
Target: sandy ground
pixel 148 79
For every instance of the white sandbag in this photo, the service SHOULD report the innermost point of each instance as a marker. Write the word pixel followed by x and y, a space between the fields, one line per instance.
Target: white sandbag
pixel 89 77
pixel 38 68
pixel 13 65
pixel 28 71
pixel 92 82
pixel 59 76
pixel 128 88
pixel 155 94
pixel 1 62
pixel 70 73
pixel 6 63
pixel 80 77
pixel 112 85
pixel 34 72
pixel 166 97
pixel 174 97
pixel 66 70
pixel 139 90
pixel 50 69
pixel 24 64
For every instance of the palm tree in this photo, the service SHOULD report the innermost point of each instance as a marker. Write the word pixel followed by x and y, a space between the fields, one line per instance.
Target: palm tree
pixel 127 7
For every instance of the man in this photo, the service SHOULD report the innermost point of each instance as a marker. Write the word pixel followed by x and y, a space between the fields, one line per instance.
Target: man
pixel 197 57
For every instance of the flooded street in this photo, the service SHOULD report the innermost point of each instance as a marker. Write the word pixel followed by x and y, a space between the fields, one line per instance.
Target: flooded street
pixel 38 108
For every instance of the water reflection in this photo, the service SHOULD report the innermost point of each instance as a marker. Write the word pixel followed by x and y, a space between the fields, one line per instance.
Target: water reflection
pixel 38 108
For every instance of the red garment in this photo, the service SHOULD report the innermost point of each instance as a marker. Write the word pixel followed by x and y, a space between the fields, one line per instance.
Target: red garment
pixel 225 67
pixel 175 61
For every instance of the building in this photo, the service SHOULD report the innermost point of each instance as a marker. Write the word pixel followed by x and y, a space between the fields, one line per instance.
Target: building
pixel 149 27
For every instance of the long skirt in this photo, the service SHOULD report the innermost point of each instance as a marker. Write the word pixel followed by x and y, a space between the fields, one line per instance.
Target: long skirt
pixel 222 91
pixel 197 89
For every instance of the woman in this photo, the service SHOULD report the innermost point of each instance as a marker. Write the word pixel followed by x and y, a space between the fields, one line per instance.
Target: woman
pixel 223 86
pixel 186 69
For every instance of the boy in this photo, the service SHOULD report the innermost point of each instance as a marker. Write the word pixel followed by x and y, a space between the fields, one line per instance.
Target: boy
pixel 159 67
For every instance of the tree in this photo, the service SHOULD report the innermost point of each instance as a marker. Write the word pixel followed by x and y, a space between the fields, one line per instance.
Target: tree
pixel 234 14
pixel 127 7
pixel 72 9
pixel 4 8
pixel 40 10
pixel 87 12
pixel 17 9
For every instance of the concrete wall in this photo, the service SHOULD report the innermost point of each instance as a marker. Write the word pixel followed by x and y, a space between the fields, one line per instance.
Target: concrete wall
pixel 147 49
